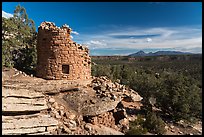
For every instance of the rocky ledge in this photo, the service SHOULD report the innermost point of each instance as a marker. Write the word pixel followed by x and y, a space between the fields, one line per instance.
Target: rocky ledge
pixel 32 105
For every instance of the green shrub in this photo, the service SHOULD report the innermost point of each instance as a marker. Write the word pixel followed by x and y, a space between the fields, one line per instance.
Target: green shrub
pixel 154 123
pixel 26 60
pixel 137 131
pixel 136 127
pixel 183 97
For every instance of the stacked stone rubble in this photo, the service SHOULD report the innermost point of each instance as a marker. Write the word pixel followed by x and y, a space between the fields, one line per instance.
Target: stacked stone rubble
pixel 55 49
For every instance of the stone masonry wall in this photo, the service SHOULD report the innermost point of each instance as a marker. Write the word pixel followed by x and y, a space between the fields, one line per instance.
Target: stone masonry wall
pixel 58 57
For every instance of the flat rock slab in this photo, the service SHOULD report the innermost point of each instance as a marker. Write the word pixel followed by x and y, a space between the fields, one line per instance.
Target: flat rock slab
pixel 7 118
pixel 22 100
pixel 82 102
pixel 23 131
pixel 27 123
pixel 12 107
pixel 17 100
pixel 40 133
pixel 37 121
pixel 22 107
pixel 21 93
pixel 99 108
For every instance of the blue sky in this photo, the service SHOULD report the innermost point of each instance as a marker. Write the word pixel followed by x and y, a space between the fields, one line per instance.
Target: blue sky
pixel 122 28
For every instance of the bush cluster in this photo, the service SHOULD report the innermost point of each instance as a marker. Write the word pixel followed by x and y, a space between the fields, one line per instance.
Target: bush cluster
pixel 154 124
pixel 137 126
pixel 177 89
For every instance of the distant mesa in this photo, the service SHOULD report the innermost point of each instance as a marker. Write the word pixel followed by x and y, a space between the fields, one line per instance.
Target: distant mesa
pixel 158 53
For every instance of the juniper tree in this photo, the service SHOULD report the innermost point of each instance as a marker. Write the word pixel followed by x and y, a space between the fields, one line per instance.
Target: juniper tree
pixel 19 41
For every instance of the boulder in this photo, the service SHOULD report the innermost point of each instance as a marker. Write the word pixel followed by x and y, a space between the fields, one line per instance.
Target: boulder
pixel 135 97
pixel 99 108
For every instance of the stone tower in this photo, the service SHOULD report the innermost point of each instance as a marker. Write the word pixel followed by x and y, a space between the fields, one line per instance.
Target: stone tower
pixel 58 57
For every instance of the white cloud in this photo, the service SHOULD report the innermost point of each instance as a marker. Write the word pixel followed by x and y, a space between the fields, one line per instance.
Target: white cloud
pixel 71 37
pixel 93 44
pixel 193 50
pixel 178 38
pixel 149 39
pixel 6 15
pixel 96 42
pixel 74 32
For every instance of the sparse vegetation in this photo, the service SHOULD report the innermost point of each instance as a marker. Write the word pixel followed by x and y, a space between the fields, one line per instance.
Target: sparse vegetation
pixel 137 126
pixel 175 83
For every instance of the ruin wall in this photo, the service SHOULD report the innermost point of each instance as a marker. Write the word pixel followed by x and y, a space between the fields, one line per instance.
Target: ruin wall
pixel 58 57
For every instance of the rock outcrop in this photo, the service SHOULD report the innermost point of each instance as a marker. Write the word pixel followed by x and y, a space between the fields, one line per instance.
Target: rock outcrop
pixel 32 105
pixel 22 113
